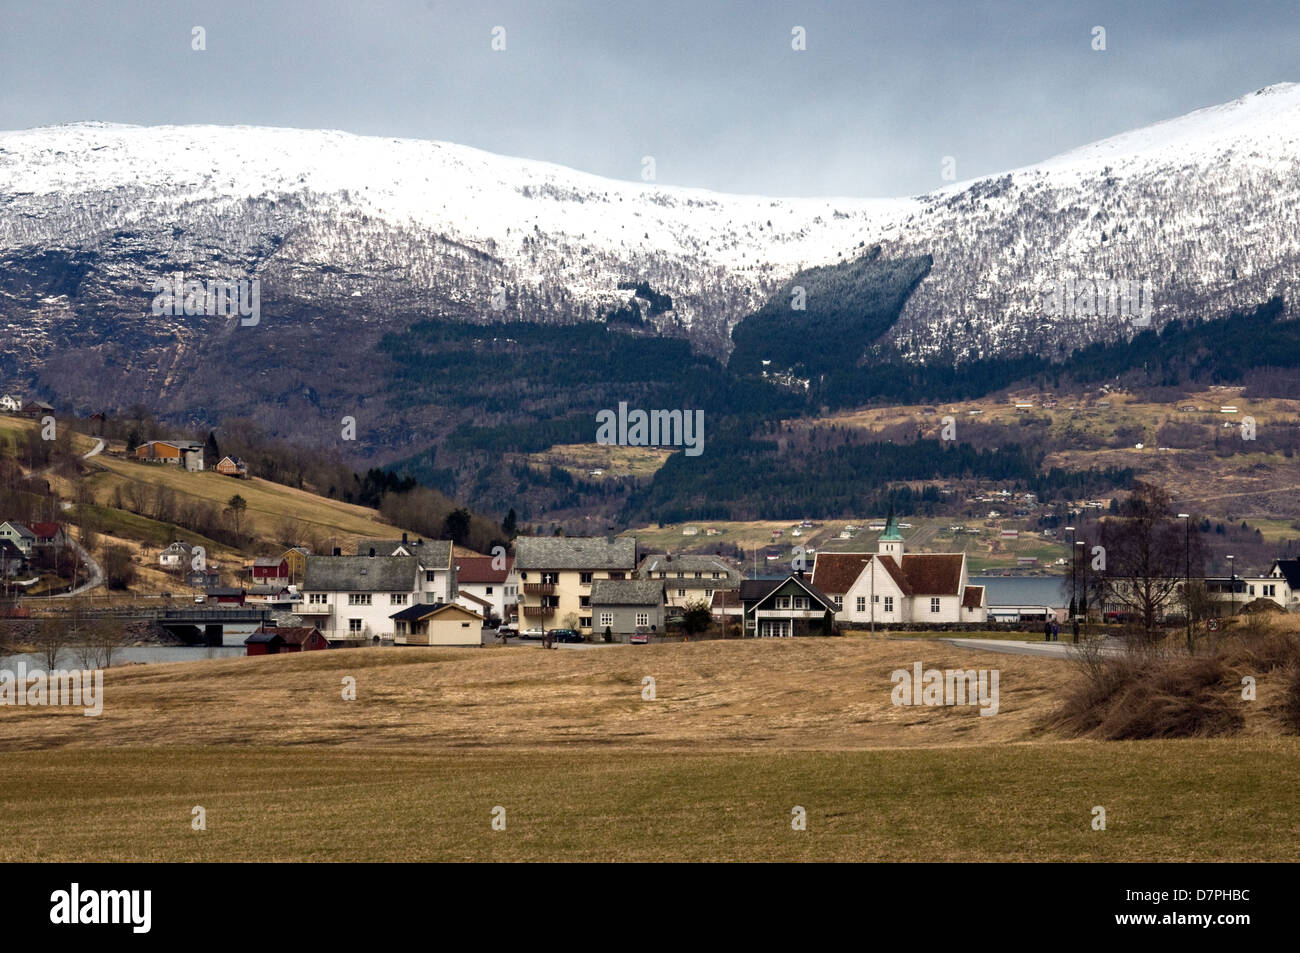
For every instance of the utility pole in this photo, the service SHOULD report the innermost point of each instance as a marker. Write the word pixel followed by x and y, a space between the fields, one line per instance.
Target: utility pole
pixel 874 560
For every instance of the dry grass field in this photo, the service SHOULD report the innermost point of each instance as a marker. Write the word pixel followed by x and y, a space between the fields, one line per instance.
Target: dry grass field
pixel 269 504
pixel 739 733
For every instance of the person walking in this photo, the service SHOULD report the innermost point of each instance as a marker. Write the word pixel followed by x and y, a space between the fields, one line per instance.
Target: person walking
pixel 1047 631
pixel 1056 631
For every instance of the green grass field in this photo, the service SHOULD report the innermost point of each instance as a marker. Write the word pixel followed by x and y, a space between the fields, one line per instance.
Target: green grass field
pixel 1164 801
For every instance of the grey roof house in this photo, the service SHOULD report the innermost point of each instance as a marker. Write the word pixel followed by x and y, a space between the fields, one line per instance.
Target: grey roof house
pixel 625 606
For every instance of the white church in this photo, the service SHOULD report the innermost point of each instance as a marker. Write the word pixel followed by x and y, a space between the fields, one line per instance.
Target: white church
pixel 890 585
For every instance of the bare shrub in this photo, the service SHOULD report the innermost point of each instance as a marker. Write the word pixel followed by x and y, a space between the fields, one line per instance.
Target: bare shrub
pixel 1150 690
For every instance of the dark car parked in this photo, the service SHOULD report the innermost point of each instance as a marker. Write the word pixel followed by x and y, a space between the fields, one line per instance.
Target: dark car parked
pixel 564 635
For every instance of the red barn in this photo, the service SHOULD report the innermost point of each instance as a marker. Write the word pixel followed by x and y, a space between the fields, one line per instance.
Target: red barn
pixel 270 570
pixel 271 639
pixel 226 595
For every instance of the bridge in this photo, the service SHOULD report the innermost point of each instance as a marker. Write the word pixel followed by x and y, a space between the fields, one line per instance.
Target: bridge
pixel 199 625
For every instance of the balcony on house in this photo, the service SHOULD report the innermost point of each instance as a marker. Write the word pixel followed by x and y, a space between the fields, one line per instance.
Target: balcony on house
pixel 539 588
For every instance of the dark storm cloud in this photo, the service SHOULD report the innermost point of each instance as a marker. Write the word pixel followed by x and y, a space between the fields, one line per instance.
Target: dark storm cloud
pixel 713 90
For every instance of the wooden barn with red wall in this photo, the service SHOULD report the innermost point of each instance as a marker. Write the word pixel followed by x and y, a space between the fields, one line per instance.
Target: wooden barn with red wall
pixel 281 640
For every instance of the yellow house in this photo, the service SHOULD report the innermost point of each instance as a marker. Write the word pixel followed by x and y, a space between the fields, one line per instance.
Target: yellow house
pixel 444 624
pixel 556 573
pixel 297 560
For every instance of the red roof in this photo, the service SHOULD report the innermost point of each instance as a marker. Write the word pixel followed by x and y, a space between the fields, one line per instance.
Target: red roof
pixel 479 569
pixel 292 634
pixel 925 574
pixel 934 575
pixel 836 573
pixel 45 530
pixel 973 598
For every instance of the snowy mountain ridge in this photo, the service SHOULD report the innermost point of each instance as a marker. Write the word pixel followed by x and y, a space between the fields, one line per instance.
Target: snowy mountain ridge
pixel 1204 206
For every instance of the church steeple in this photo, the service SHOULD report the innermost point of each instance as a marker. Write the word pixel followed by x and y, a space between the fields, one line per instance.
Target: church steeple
pixel 891 540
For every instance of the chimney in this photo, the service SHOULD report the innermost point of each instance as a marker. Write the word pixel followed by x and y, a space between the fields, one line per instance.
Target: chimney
pixel 403 539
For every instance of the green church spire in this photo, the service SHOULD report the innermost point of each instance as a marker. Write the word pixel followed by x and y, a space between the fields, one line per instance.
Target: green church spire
pixel 891 532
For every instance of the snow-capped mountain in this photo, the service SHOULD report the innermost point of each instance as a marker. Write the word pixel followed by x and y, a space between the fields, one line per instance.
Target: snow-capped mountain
pixel 382 230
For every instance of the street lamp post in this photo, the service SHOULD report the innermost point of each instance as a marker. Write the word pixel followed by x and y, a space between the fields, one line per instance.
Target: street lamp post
pixel 1073 593
pixel 1232 583
pixel 1187 579
pixel 1075 620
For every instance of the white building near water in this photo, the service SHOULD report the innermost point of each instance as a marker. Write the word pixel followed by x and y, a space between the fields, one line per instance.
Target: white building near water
pixel 353 598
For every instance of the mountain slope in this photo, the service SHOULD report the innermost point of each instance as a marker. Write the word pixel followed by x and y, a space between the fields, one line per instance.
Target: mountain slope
pixel 357 240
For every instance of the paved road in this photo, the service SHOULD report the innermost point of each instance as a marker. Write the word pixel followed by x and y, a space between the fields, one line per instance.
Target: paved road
pixel 96 571
pixel 100 444
pixel 1060 650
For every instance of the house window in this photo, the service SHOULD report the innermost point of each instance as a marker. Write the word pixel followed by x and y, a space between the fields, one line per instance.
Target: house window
pixel 354 626
pixel 681 592
pixel 584 602
pixel 358 598
pixel 584 578
pixel 428 575
pixel 934 604
pixel 717 575
pixel 607 618
pixel 862 603
pixel 584 622
pixel 663 575
pixel 488 590
pixel 643 618
pixel 889 603
pixel 699 575
pixel 708 593
pixel 783 602
pixel 618 575
pixel 681 575
pixel 801 602
pixel 397 598
pixel 839 602
pixel 401 627
pixel 317 598
pixel 550 578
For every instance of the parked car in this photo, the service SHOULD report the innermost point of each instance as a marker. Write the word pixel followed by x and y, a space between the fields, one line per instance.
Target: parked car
pixel 507 632
pixel 531 634
pixel 199 600
pixel 641 636
pixel 565 635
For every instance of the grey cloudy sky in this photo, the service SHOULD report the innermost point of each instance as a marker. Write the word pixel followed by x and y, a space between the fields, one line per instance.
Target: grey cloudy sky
pixel 713 90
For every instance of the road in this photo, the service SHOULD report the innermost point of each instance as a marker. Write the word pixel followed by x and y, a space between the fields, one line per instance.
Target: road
pixel 96 571
pixel 1059 650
